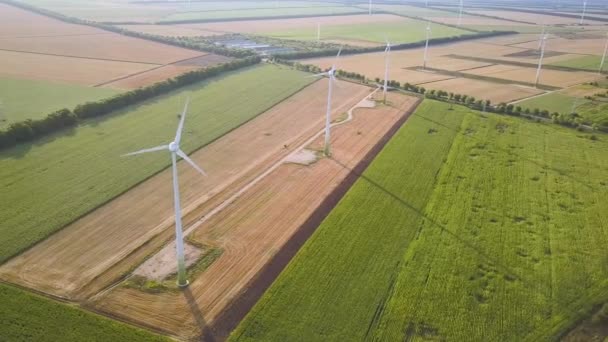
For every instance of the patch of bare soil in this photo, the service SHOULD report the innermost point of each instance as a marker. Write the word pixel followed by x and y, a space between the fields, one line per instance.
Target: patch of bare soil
pixel 162 264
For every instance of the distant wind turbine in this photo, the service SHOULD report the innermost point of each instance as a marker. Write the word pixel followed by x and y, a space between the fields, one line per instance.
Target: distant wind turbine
pixel 426 46
pixel 370 7
pixel 584 10
pixel 540 39
pixel 604 56
pixel 174 150
pixel 540 60
pixel 318 31
pixel 331 75
pixel 460 12
pixel 387 52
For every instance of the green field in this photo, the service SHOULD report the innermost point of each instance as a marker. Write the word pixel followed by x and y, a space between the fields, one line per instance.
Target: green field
pixel 28 317
pixel 28 99
pixel 125 10
pixel 406 31
pixel 590 111
pixel 591 63
pixel 466 227
pixel 47 184
pixel 261 12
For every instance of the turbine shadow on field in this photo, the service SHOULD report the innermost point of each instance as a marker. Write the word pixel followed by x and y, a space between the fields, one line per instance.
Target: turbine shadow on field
pixel 434 223
pixel 511 153
pixel 206 334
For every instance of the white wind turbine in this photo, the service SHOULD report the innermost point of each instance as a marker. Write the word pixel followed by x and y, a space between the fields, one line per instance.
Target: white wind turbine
pixel 426 46
pixel 331 75
pixel 174 150
pixel 540 60
pixel 584 10
pixel 540 39
pixel 370 7
pixel 460 12
pixel 318 31
pixel 387 52
pixel 604 56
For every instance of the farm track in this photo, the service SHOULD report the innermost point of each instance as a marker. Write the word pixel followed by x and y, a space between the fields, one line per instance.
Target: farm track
pixel 280 210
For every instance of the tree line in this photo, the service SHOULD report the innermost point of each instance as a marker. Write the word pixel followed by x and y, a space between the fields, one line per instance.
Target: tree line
pixel 572 120
pixel 29 130
pixel 356 50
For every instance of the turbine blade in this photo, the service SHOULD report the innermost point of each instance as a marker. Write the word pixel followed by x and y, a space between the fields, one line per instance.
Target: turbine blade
pixel 317 75
pixel 180 127
pixel 146 150
pixel 189 161
pixel 336 59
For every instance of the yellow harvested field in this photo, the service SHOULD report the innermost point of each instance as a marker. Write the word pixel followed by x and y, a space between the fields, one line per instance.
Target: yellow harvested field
pixel 271 25
pixel 533 18
pixel 169 30
pixel 55 37
pixel 150 77
pixel 494 92
pixel 256 226
pixel 555 78
pixel 81 253
pixel 65 69
pixel 580 46
pixel 15 23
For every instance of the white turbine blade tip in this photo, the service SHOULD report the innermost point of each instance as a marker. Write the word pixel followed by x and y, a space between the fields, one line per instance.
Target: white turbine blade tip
pixel 317 75
pixel 180 127
pixel 191 162
pixel 147 150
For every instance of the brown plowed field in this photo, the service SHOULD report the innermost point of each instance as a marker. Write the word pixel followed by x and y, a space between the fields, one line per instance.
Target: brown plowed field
pixel 255 227
pixel 554 78
pixel 68 261
pixel 277 25
pixel 495 92
pixel 15 22
pixel 169 30
pixel 582 46
pixel 534 18
pixel 65 69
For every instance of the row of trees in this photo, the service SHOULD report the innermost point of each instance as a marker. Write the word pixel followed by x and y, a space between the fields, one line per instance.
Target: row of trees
pixel 31 129
pixel 356 50
pixel 572 120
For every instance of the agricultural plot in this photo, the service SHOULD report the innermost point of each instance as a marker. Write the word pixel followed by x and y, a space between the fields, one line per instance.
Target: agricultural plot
pixel 533 18
pixel 591 112
pixel 82 168
pixel 588 46
pixel 589 63
pixel 495 92
pixel 30 317
pixel 398 32
pixel 25 99
pixel 255 228
pixel 498 221
pixel 153 11
pixel 554 78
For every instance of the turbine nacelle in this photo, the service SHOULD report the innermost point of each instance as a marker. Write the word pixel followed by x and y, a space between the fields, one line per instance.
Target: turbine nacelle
pixel 173 147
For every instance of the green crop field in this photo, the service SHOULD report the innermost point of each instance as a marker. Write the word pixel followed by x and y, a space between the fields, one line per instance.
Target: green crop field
pixel 261 12
pixel 49 183
pixel 29 317
pixel 590 111
pixel 466 227
pixel 27 99
pixel 591 63
pixel 406 31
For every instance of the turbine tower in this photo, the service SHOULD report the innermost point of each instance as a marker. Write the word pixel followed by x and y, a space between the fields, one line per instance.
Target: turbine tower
pixel 318 31
pixel 370 7
pixel 540 60
pixel 174 150
pixel 426 46
pixel 540 39
pixel 460 12
pixel 387 52
pixel 331 75
pixel 604 55
pixel 584 10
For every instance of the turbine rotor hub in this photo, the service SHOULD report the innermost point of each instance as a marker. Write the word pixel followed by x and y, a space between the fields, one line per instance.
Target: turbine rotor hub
pixel 173 147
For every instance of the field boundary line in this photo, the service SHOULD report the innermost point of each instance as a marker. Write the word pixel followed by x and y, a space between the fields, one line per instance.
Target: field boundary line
pixel 79 57
pixel 57 35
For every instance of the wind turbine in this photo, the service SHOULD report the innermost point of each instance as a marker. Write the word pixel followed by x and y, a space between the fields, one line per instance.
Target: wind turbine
pixel 318 31
pixel 540 60
pixel 387 52
pixel 370 7
pixel 460 12
pixel 584 10
pixel 540 40
pixel 331 75
pixel 604 56
pixel 426 46
pixel 174 150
